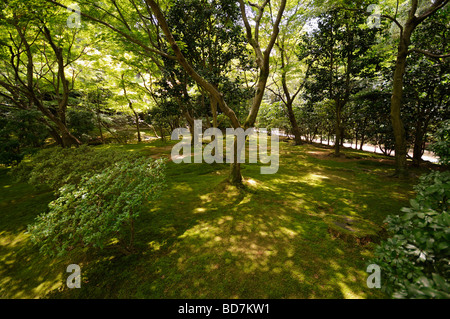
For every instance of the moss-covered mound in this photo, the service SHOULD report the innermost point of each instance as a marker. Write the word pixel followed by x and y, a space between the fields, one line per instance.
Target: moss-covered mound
pixel 354 229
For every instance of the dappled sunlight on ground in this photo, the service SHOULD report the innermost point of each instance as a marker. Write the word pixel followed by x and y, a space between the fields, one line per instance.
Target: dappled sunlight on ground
pixel 244 247
pixel 208 239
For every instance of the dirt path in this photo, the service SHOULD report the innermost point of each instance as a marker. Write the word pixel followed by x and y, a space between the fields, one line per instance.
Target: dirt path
pixel 427 156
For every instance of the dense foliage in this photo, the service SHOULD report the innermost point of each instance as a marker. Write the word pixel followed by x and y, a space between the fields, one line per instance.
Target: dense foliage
pixel 57 167
pixel 20 134
pixel 441 146
pixel 81 123
pixel 415 261
pixel 101 207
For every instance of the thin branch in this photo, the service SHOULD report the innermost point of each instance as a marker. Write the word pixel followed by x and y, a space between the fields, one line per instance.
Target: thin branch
pixel 275 31
pixel 438 4
pixel 368 14
pixel 429 54
pixel 249 35
pixel 188 68
pixel 120 13
pixel 127 36
pixel 304 80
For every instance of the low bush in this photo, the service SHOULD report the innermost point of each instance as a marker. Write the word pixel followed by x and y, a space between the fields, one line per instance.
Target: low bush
pixel 100 208
pixel 58 166
pixel 81 123
pixel 415 260
pixel 20 134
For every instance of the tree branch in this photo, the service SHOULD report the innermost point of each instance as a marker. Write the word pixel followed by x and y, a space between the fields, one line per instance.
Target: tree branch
pixel 368 14
pixel 188 68
pixel 127 36
pixel 275 31
pixel 253 42
pixel 438 4
pixel 429 54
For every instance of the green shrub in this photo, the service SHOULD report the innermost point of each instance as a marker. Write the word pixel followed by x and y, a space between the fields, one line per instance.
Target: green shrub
pixel 119 129
pixel 10 152
pixel 123 135
pixel 441 147
pixel 102 207
pixel 58 166
pixel 81 123
pixel 415 261
pixel 20 134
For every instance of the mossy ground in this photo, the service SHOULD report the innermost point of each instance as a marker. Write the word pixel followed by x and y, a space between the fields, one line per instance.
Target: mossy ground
pixel 354 230
pixel 207 239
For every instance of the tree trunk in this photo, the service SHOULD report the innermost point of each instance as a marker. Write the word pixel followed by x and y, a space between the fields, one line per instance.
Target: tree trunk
pixel 136 118
pixel 397 123
pixel 137 127
pixel 294 124
pixel 418 146
pixel 338 130
pixel 161 129
pixel 68 139
pixel 99 124
pixel 235 171
pixel 190 121
pixel 396 101
pixel 263 69
pixel 259 94
pixel 214 114
pixel 154 130
pixel 314 134
pixel 56 136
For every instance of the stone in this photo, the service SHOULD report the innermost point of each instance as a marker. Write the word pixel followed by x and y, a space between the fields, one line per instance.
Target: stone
pixel 354 229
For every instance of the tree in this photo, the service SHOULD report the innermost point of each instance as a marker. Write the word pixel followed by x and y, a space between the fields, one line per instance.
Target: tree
pixel 262 55
pixel 153 24
pixel 339 47
pixel 96 97
pixel 426 91
pixel 130 105
pixel 403 50
pixel 289 65
pixel 214 44
pixel 38 52
pixel 417 12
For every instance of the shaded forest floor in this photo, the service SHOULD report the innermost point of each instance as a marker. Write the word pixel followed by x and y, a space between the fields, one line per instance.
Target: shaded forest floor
pixel 207 239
